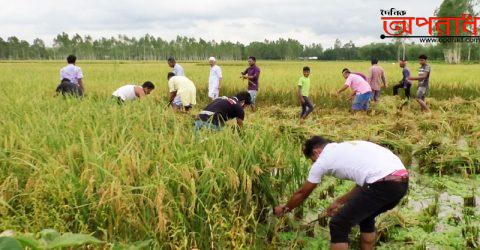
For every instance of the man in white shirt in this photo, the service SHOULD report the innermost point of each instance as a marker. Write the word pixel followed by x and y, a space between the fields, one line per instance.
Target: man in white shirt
pixel 132 92
pixel 381 179
pixel 176 68
pixel 215 79
pixel 71 77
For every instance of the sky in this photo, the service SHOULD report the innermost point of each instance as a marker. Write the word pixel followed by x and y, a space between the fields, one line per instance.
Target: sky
pixel 309 21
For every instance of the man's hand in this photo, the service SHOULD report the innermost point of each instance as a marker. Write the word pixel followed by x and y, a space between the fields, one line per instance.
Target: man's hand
pixel 280 211
pixel 333 208
pixel 350 97
pixel 302 100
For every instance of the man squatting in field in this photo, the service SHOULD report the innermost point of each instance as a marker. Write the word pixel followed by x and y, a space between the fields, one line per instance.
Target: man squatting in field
pixel 252 74
pixel 71 78
pixel 303 93
pixel 184 89
pixel 376 78
pixel 223 109
pixel 423 82
pixel 214 79
pixel 362 92
pixel 381 182
pixel 405 83
pixel 177 69
pixel 132 92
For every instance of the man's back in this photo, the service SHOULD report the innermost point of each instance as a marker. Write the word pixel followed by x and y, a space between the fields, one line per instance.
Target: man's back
pixel 179 83
pixel 72 73
pixel 360 161
pixel 377 76
pixel 221 110
pixel 126 93
pixel 358 84
pixel 178 70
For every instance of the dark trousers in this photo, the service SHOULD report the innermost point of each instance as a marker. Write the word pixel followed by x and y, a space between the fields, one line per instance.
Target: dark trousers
pixel 118 99
pixel 370 201
pixel 307 107
pixel 406 88
pixel 66 88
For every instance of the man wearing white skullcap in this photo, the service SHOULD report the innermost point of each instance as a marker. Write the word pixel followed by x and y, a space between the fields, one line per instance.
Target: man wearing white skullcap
pixel 215 79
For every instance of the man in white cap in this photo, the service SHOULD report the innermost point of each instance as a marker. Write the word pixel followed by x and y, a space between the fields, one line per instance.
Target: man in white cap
pixel 215 79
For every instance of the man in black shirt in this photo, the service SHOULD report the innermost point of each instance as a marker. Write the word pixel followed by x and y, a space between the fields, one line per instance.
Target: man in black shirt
pixel 222 109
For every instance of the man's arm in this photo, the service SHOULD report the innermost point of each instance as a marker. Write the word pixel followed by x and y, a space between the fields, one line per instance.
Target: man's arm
pixel 352 95
pixel 240 123
pixel 255 75
pixel 420 78
pixel 172 96
pixel 345 87
pixel 298 197
pixel 139 92
pixel 80 82
pixel 332 209
pixel 300 96
pixel 413 78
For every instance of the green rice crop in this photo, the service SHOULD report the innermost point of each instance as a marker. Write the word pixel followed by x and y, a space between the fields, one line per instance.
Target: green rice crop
pixel 137 172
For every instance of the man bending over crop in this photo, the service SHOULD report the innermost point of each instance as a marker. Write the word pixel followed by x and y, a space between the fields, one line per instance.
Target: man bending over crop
pixel 223 109
pixel 381 179
pixel 362 92
pixel 184 88
pixel 132 92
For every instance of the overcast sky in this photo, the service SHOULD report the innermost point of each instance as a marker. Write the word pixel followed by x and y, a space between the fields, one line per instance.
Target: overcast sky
pixel 309 21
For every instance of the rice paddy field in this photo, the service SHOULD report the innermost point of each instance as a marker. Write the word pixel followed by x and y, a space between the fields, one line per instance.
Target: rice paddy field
pixel 136 176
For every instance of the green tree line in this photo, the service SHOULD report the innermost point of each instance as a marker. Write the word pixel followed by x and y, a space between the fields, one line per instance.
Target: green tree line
pixel 183 48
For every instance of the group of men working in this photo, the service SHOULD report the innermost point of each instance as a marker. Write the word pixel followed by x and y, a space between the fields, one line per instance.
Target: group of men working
pixel 369 88
pixel 182 91
pixel 380 176
pixel 366 89
pixel 221 109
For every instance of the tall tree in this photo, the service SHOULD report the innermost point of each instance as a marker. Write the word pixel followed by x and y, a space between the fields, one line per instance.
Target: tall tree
pixel 454 8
